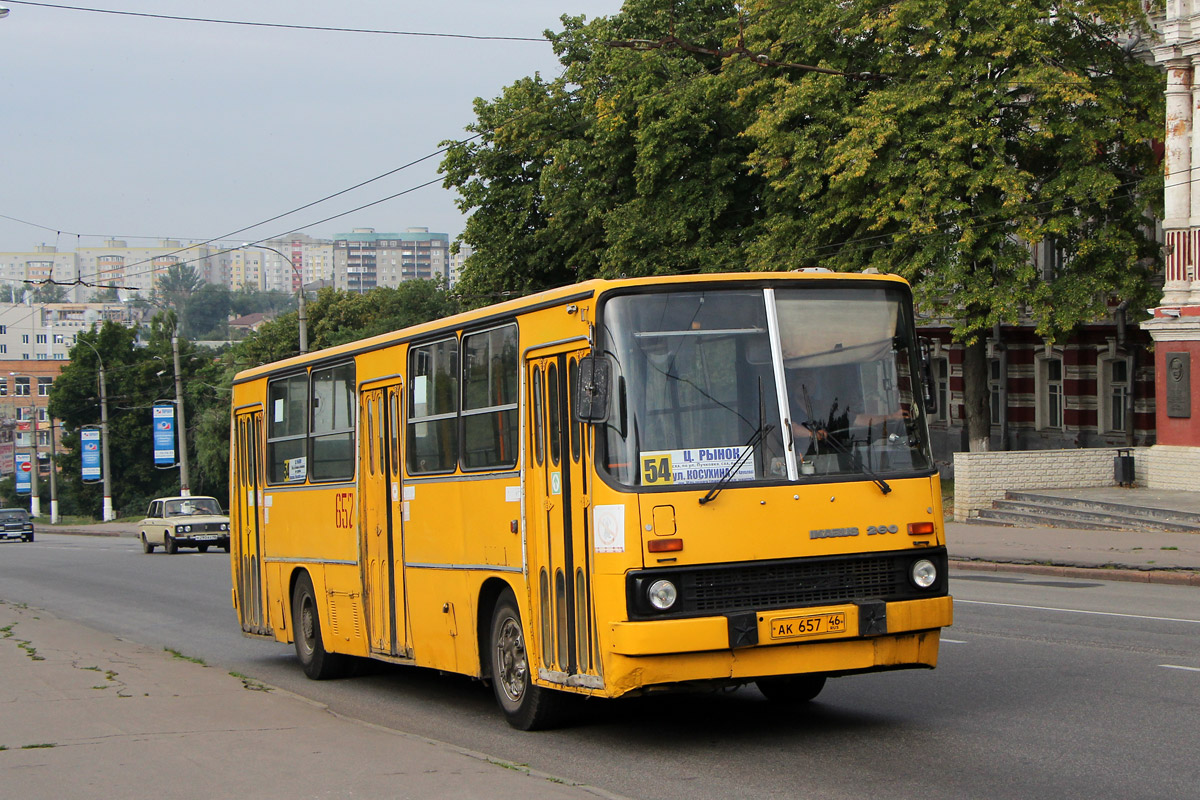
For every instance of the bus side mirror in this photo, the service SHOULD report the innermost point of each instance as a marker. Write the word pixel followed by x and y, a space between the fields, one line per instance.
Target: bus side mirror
pixel 591 396
pixel 930 390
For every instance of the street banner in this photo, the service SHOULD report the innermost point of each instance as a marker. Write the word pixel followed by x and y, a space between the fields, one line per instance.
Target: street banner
pixel 89 439
pixel 164 435
pixel 24 466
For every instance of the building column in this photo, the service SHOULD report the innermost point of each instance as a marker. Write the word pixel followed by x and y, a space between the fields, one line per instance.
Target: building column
pixel 1177 186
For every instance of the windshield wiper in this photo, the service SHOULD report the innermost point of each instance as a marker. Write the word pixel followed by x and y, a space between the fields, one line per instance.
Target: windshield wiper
pixel 750 446
pixel 854 460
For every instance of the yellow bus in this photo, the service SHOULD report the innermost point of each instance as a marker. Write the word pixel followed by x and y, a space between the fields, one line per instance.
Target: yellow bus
pixel 613 488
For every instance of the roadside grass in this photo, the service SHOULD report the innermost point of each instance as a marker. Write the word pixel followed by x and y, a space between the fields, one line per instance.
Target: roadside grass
pixel 182 657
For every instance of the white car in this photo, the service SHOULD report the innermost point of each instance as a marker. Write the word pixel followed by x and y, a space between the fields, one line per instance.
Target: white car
pixel 175 522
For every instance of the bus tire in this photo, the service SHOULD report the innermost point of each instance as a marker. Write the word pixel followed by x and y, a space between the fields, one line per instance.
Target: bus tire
pixel 791 689
pixel 146 546
pixel 169 544
pixel 526 707
pixel 318 663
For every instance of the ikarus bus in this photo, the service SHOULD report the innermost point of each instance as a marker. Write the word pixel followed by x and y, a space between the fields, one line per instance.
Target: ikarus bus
pixel 608 489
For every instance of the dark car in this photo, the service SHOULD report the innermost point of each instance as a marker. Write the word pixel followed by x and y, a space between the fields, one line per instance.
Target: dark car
pixel 15 523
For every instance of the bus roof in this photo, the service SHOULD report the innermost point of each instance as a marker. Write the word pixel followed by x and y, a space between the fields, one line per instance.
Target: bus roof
pixel 551 297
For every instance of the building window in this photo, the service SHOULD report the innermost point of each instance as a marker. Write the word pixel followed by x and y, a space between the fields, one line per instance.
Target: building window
pixel 994 391
pixel 21 386
pixel 1050 393
pixel 41 338
pixel 3 388
pixel 1114 394
pixel 3 329
pixel 59 338
pixel 941 388
pixel 24 338
pixel 44 386
pixel 3 348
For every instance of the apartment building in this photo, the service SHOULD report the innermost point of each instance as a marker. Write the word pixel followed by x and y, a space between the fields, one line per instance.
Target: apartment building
pixel 364 258
pixel 281 265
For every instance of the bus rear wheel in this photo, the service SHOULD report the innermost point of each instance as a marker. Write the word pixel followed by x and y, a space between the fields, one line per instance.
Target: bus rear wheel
pixel 526 707
pixel 791 688
pixel 318 663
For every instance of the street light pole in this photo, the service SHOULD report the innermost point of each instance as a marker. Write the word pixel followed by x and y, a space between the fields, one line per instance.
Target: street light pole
pixel 185 488
pixel 300 306
pixel 35 502
pixel 106 466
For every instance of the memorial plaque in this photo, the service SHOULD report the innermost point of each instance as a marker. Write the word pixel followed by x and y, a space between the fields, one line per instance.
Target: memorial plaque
pixel 1179 384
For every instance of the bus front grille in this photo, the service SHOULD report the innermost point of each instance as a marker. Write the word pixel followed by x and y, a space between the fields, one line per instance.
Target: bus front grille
pixel 790 583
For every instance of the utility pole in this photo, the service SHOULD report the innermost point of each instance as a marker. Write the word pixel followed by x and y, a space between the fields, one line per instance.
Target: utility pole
pixel 35 501
pixel 184 484
pixel 105 464
pixel 53 477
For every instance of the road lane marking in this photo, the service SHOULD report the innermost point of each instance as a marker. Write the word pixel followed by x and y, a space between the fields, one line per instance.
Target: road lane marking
pixel 1077 611
pixel 953 641
pixel 1176 666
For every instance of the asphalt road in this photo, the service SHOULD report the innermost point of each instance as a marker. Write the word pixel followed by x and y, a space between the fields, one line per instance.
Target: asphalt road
pixel 1047 688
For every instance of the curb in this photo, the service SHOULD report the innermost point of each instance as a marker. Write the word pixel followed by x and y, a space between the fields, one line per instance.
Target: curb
pixel 79 532
pixel 1168 577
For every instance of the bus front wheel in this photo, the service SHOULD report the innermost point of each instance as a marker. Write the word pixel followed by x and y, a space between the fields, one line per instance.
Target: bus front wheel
pixel 526 707
pixel 791 688
pixel 318 663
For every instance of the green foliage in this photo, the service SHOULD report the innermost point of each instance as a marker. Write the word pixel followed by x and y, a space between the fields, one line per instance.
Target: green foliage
pixel 136 377
pixel 951 134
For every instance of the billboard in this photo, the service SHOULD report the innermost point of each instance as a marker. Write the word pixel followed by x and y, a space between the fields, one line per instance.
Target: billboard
pixel 164 435
pixel 90 466
pixel 24 470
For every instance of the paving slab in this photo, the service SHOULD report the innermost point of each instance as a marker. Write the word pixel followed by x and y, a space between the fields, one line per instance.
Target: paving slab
pixel 84 714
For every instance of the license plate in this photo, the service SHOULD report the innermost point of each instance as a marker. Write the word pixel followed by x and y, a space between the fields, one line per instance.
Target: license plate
pixel 209 537
pixel 809 625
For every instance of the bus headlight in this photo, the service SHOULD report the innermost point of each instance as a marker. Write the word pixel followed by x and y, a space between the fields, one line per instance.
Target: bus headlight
pixel 923 573
pixel 662 594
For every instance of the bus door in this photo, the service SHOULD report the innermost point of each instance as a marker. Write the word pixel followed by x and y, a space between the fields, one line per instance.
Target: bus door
pixel 246 536
pixel 557 493
pixel 381 537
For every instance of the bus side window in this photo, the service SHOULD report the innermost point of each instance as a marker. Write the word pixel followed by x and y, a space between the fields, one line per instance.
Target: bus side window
pixel 490 372
pixel 433 407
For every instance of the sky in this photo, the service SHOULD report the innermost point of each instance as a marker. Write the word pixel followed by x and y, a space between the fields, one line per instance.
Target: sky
pixel 141 129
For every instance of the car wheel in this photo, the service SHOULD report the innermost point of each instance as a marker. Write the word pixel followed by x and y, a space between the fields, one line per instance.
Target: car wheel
pixel 146 546
pixel 169 544
pixel 793 689
pixel 319 664
pixel 203 548
pixel 28 537
pixel 526 707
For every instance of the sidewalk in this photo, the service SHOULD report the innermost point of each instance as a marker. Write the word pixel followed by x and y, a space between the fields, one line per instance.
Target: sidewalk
pixel 1144 556
pixel 84 715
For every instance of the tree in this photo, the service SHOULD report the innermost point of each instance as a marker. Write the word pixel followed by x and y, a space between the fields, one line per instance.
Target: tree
pixel 939 140
pixel 174 291
pixel 136 378
pixel 48 293
pixel 630 163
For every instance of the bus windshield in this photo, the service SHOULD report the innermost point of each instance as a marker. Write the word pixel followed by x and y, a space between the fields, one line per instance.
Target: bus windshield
pixel 796 384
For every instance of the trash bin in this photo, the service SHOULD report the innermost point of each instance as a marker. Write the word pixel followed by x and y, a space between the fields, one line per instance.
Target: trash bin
pixel 1123 467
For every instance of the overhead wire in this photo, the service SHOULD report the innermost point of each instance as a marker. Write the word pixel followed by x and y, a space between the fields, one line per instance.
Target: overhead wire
pixel 278 25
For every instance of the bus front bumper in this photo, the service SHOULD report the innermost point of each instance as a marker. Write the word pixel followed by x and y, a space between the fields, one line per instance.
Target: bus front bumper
pixel 780 627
